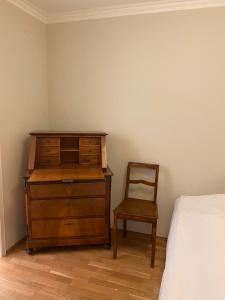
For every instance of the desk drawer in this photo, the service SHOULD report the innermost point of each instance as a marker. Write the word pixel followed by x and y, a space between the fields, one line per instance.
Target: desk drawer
pixel 67 208
pixel 89 141
pixel 49 160
pixel 68 228
pixel 90 150
pixel 90 159
pixel 48 141
pixel 48 151
pixel 43 191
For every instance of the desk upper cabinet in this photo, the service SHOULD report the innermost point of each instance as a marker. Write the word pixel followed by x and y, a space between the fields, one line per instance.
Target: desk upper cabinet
pixel 67 190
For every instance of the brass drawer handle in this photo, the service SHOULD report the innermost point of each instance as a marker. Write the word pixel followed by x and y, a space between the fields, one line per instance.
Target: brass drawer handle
pixel 69 203
pixel 68 181
pixel 69 223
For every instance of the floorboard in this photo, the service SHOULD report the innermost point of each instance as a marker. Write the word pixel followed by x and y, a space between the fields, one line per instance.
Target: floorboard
pixel 84 273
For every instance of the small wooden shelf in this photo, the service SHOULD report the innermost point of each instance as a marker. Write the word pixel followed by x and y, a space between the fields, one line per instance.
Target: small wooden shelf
pixel 69 150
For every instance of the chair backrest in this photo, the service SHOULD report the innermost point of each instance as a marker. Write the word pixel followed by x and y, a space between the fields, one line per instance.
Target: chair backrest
pixel 153 184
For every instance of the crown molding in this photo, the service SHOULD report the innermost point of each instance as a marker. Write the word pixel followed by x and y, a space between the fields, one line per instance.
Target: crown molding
pixel 134 9
pixel 30 9
pixel 155 6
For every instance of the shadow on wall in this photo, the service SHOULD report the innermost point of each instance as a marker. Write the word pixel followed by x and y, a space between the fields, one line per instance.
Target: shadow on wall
pixel 2 219
pixel 23 168
pixel 14 193
pixel 122 150
pixel 18 188
pixel 166 198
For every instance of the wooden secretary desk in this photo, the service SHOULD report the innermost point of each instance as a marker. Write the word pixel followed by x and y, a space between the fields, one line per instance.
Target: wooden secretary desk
pixel 67 190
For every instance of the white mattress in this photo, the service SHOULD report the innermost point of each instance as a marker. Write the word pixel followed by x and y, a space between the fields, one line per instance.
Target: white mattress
pixel 195 260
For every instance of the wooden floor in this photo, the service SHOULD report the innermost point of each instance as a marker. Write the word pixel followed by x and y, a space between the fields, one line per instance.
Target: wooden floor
pixel 84 273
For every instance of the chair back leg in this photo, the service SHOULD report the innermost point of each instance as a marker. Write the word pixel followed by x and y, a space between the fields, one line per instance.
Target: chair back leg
pixel 154 228
pixel 115 236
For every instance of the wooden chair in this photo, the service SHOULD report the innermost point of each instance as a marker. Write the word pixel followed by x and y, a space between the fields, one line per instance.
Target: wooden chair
pixel 138 209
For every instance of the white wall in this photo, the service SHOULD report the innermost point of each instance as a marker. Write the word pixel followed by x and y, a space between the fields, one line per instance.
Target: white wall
pixel 155 83
pixel 23 105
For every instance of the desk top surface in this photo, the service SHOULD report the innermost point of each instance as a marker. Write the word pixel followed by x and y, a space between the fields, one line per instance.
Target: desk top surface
pixel 80 173
pixel 70 133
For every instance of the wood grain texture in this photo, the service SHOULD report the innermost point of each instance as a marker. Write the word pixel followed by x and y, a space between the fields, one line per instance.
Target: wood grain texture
pixel 90 150
pixel 79 173
pixel 45 133
pixel 45 141
pixel 61 208
pixel 79 273
pixel 72 148
pixel 89 141
pixel 49 151
pixel 90 159
pixel 67 241
pixel 49 161
pixel 83 227
pixel 137 209
pixel 54 190
pixel 32 153
pixel 104 152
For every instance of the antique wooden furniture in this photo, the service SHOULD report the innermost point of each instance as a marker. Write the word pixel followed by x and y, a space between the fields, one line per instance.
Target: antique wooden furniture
pixel 67 190
pixel 138 209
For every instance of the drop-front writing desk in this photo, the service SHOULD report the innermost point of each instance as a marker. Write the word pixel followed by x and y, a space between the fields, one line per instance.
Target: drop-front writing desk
pixel 67 190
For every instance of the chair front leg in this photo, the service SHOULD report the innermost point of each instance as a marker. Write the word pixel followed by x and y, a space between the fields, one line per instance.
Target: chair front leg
pixel 154 228
pixel 115 236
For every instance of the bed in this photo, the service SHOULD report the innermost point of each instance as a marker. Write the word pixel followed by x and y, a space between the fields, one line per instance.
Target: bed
pixel 195 260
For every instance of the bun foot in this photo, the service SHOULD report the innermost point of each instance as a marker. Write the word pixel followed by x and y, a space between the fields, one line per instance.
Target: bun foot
pixel 30 251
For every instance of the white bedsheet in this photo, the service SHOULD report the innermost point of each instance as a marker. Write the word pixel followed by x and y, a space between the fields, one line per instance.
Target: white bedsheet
pixel 195 260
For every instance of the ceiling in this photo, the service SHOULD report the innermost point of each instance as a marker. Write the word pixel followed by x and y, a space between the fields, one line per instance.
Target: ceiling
pixel 53 6
pixel 58 11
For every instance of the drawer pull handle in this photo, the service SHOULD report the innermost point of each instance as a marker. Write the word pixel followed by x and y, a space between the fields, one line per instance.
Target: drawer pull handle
pixel 68 181
pixel 69 223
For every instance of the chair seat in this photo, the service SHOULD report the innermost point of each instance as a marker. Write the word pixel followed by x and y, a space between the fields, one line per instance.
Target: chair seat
pixel 137 209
